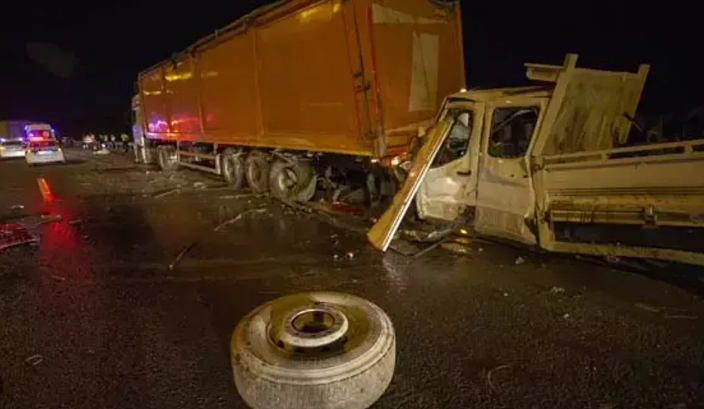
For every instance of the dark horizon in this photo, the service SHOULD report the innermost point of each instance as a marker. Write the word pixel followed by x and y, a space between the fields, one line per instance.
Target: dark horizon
pixel 76 65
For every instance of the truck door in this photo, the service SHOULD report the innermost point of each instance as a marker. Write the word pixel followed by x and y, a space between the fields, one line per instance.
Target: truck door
pixel 505 201
pixel 450 185
pixel 382 233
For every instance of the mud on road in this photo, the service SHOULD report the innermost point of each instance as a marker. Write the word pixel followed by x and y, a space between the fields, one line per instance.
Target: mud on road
pixel 93 316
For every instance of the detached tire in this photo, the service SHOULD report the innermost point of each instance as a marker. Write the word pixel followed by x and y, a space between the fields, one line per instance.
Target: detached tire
pixel 314 350
pixel 233 168
pixel 257 171
pixel 292 181
pixel 166 158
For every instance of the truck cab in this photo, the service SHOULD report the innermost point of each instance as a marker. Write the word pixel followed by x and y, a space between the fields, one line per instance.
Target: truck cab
pixel 550 166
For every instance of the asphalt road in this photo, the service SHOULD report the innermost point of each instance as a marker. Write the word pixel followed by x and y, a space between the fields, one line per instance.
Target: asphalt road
pixel 93 318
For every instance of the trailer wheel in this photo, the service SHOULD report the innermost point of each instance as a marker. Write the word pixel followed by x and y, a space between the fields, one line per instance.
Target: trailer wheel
pixel 166 156
pixel 292 181
pixel 314 350
pixel 233 168
pixel 257 171
pixel 380 187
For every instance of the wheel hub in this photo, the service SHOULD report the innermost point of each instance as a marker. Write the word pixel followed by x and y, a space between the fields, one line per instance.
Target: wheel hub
pixel 316 328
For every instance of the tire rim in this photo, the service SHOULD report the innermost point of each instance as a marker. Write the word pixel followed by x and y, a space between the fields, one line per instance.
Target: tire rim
pixel 256 171
pixel 230 167
pixel 287 179
pixel 319 327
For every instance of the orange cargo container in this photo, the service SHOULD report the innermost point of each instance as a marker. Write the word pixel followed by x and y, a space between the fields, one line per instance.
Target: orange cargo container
pixel 350 77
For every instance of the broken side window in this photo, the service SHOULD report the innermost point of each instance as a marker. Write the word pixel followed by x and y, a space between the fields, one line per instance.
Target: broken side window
pixel 511 131
pixel 457 142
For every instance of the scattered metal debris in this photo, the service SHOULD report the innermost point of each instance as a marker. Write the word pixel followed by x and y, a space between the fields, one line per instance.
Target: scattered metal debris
pixel 648 308
pixel 34 360
pixel 221 226
pixel 241 196
pixel 490 373
pixel 431 248
pixel 48 219
pixel 612 259
pixel 235 219
pixel 15 234
pixel 166 193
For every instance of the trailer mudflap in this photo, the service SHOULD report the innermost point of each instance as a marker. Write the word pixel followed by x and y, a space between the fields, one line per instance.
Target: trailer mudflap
pixel 383 232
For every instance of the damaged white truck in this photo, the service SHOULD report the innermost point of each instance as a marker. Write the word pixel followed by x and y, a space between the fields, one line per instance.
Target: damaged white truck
pixel 552 166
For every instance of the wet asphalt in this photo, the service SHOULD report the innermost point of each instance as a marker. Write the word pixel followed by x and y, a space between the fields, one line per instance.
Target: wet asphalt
pixel 93 317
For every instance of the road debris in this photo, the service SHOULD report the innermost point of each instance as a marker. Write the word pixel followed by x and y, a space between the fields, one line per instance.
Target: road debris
pixel 612 259
pixel 15 234
pixel 557 290
pixel 219 227
pixel 166 193
pixel 490 373
pixel 647 307
pixel 199 185
pixel 48 219
pixel 58 278
pixel 16 207
pixel 431 248
pixel 520 260
pixel 34 360
pixel 242 196
pixel 235 219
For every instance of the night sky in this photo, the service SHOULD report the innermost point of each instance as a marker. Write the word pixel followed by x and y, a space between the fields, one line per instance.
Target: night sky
pixel 74 64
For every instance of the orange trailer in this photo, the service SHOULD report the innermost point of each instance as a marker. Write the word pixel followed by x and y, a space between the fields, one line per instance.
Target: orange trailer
pixel 300 77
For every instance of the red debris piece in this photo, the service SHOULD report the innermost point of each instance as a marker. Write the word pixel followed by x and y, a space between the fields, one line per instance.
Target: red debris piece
pixel 15 234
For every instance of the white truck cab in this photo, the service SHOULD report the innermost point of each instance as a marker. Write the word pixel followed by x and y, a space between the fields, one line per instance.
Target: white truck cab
pixel 550 166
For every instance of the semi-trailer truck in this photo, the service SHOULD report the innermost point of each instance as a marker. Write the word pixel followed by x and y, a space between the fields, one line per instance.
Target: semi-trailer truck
pixel 302 94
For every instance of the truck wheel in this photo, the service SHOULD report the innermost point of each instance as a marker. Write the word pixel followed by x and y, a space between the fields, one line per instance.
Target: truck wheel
pixel 313 350
pixel 233 168
pixel 380 188
pixel 166 156
pixel 292 181
pixel 257 171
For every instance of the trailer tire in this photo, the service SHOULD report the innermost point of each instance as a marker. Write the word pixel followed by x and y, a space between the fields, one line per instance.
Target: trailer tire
pixel 380 187
pixel 233 168
pixel 257 171
pixel 292 181
pixel 313 350
pixel 165 157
